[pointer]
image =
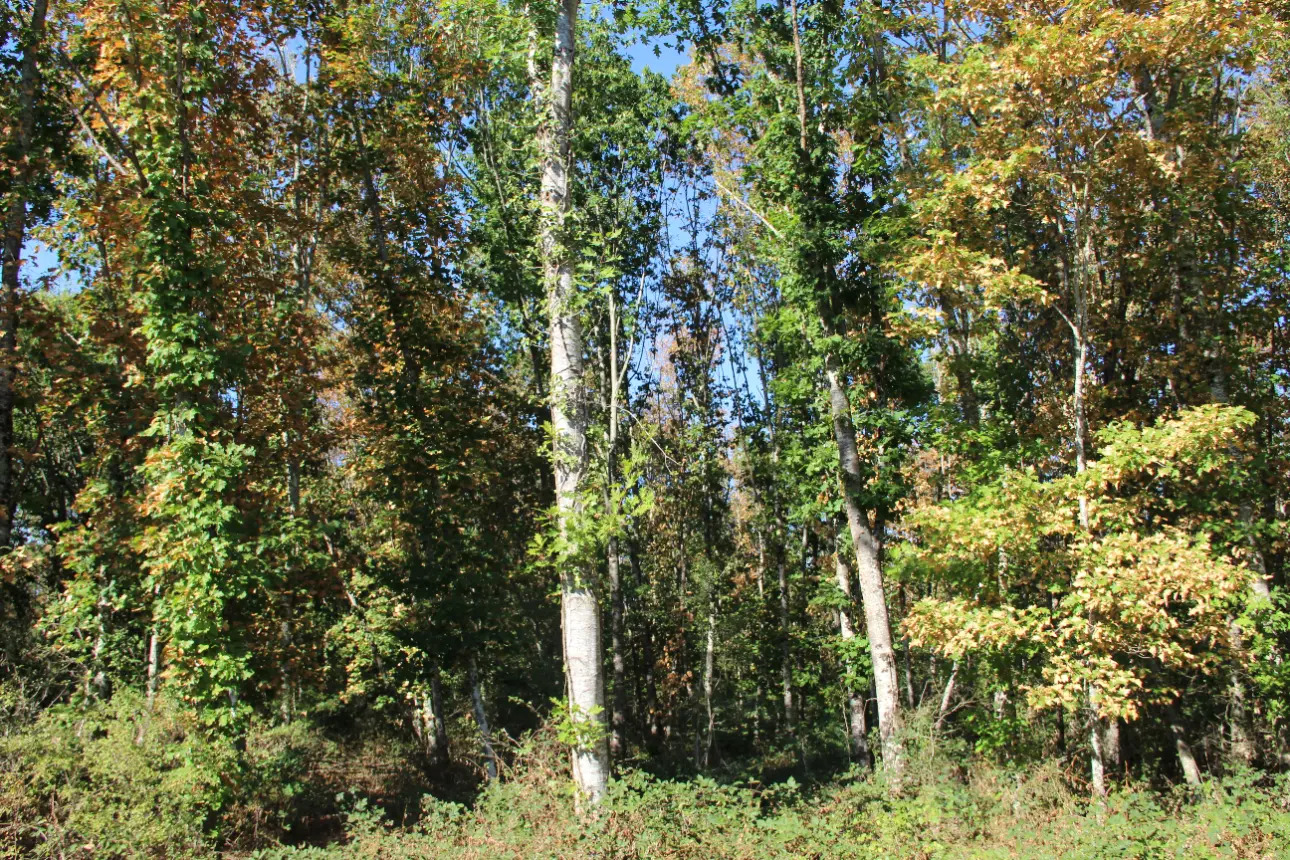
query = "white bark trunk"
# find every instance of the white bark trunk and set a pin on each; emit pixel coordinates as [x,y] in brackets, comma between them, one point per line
[709,667]
[1097,767]
[869,567]
[581,612]
[583,668]
[859,729]
[154,666]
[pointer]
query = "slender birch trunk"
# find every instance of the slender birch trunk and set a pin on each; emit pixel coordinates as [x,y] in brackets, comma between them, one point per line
[580,609]
[1104,743]
[154,666]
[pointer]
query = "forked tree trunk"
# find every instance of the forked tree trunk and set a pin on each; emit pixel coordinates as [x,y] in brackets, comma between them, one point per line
[580,609]
[856,704]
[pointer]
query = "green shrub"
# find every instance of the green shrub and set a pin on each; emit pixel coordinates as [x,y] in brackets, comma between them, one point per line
[117,779]
[111,780]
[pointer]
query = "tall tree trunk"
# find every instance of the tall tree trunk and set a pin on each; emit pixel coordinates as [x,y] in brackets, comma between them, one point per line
[869,566]
[15,232]
[649,700]
[859,729]
[785,647]
[618,718]
[580,609]
[709,667]
[867,550]
[1103,734]
[481,721]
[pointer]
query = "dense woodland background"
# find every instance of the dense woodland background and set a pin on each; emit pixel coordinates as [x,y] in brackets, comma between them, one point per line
[870,441]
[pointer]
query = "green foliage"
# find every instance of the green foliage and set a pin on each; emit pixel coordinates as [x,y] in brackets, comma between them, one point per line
[120,780]
[981,813]
[1147,589]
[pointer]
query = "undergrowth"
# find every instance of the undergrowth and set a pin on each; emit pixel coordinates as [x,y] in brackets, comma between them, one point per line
[111,782]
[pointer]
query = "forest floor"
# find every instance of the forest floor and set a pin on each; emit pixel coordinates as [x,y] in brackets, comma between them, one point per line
[101,785]
[945,809]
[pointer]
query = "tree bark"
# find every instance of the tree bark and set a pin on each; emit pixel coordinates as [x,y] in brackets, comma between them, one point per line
[947,696]
[785,648]
[434,727]
[481,721]
[859,729]
[618,719]
[869,567]
[580,608]
[15,231]
[1191,770]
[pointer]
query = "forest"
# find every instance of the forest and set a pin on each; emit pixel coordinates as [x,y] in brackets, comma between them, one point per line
[645,429]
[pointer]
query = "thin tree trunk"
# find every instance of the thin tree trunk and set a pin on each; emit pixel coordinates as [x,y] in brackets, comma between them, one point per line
[15,231]
[1097,765]
[859,729]
[481,720]
[649,702]
[905,656]
[868,564]
[709,667]
[785,648]
[1103,734]
[1241,722]
[154,666]
[618,719]
[947,696]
